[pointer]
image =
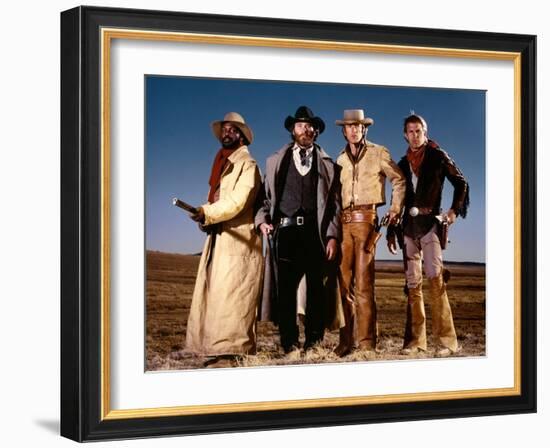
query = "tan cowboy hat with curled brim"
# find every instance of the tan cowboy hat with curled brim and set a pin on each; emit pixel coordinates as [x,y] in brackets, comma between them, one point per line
[236,120]
[352,116]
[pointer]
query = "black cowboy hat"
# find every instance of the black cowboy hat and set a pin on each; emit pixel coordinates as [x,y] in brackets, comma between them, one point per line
[304,114]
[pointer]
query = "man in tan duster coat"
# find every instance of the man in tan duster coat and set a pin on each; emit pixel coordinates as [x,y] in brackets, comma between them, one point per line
[222,318]
[364,169]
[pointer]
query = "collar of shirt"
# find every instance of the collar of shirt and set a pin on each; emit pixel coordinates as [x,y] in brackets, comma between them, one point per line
[362,146]
[302,169]
[297,148]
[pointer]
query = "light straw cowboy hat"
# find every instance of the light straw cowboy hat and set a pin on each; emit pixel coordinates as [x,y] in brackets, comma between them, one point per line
[236,120]
[352,116]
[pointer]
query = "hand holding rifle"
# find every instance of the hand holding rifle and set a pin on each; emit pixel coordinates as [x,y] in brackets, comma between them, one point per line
[196,214]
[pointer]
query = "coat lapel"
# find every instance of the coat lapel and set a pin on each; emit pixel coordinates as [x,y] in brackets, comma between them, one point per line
[236,157]
[326,176]
[272,173]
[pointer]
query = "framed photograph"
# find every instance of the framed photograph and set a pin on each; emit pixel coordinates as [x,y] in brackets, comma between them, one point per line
[147,100]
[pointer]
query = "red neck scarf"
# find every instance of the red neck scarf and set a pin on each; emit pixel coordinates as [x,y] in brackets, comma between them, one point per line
[217,170]
[415,158]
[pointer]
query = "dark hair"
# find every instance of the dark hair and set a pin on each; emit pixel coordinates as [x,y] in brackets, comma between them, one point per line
[414,118]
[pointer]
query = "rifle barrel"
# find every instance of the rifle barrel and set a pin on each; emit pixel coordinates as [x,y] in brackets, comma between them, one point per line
[184,205]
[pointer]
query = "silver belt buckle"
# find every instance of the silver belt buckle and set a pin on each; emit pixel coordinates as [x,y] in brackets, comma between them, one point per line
[299,220]
[414,211]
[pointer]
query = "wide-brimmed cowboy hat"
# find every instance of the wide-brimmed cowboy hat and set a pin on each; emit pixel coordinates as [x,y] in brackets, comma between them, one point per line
[236,120]
[304,114]
[352,116]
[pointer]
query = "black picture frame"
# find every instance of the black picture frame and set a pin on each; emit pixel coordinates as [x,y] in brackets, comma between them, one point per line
[82,398]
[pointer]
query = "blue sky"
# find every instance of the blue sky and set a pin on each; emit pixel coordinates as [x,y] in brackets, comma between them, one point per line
[180,146]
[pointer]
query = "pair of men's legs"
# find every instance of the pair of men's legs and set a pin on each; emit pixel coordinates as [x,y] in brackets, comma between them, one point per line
[357,283]
[427,247]
[299,252]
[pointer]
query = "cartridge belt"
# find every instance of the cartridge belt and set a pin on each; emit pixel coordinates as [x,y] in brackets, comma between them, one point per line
[365,215]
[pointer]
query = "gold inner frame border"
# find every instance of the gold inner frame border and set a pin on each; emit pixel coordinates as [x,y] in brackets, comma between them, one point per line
[107,35]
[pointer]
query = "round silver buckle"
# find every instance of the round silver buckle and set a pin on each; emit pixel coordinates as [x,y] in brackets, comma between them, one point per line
[413,211]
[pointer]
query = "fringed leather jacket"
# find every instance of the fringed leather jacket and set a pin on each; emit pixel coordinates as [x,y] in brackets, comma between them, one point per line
[426,195]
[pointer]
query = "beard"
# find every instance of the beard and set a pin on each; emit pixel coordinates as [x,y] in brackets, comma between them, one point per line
[230,143]
[304,140]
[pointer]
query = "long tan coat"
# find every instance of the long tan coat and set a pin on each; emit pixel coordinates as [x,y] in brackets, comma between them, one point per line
[225,300]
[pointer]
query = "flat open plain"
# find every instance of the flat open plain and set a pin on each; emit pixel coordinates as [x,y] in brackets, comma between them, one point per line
[170,282]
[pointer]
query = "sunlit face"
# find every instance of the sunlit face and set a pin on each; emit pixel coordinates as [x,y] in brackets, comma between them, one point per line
[354,132]
[230,136]
[415,135]
[304,134]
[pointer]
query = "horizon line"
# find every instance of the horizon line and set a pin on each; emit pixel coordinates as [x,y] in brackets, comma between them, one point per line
[198,254]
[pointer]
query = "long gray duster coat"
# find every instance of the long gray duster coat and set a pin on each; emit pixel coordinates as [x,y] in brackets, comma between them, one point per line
[223,312]
[328,225]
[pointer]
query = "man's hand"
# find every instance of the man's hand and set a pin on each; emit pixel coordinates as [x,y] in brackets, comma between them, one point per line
[393,217]
[266,229]
[392,245]
[199,216]
[332,248]
[451,216]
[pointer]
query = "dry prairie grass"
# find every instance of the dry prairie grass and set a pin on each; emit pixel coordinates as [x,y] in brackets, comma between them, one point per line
[170,282]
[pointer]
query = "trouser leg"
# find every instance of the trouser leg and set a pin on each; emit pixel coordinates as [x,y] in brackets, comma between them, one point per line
[288,277]
[315,307]
[415,327]
[312,260]
[365,308]
[442,317]
[347,339]
[443,329]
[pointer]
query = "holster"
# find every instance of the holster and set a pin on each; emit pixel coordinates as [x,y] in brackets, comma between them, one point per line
[443,233]
[373,239]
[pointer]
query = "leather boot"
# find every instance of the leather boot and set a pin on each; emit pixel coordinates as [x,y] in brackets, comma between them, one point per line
[415,329]
[347,340]
[443,328]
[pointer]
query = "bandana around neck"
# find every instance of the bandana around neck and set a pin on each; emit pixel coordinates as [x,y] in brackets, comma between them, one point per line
[217,169]
[415,158]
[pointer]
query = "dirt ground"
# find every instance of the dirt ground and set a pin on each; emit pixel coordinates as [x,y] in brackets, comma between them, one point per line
[170,282]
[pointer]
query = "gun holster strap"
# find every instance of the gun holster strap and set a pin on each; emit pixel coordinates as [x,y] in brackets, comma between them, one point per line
[359,216]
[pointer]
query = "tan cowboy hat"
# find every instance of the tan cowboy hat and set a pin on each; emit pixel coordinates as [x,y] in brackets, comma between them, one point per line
[355,116]
[236,120]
